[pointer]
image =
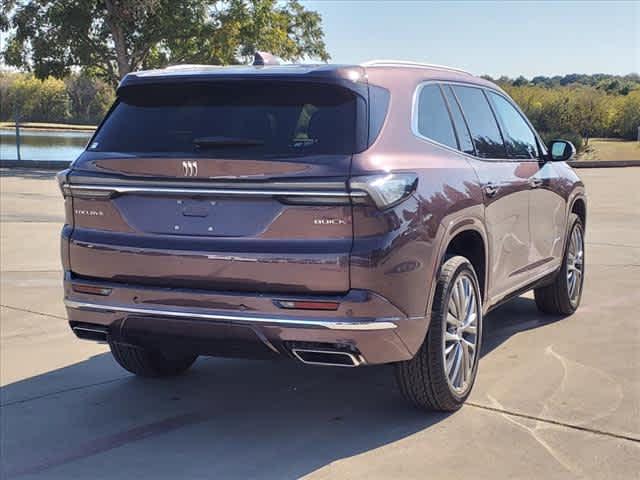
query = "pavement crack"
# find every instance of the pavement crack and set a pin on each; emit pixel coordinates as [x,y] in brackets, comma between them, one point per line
[550,421]
[32,311]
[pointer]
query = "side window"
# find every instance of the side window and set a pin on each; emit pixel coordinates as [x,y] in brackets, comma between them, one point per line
[518,137]
[433,117]
[464,137]
[484,129]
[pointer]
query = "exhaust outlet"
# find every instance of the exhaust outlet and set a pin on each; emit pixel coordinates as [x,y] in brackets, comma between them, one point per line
[95,333]
[329,358]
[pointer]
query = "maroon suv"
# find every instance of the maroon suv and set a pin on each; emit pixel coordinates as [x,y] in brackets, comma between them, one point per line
[334,214]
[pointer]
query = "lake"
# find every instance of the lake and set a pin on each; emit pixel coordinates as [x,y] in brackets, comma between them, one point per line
[42,144]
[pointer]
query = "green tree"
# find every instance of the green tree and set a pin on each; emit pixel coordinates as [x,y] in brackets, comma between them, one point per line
[36,100]
[627,117]
[110,38]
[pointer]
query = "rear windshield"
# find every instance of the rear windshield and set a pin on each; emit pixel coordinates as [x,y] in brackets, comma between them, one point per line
[232,119]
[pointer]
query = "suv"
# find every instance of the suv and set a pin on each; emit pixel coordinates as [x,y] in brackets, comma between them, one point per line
[333,214]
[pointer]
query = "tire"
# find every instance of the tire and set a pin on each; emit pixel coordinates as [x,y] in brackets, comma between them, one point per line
[425,380]
[150,363]
[559,298]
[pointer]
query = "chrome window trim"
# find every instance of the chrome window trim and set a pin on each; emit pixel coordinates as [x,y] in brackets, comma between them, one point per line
[381,324]
[485,89]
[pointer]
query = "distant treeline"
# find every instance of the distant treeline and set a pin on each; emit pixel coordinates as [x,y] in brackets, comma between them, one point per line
[76,99]
[574,106]
[579,106]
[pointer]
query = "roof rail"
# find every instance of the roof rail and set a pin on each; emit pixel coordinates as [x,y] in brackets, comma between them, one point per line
[405,63]
[187,66]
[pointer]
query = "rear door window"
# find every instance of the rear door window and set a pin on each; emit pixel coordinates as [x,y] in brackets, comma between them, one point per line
[239,118]
[518,136]
[434,121]
[464,137]
[482,123]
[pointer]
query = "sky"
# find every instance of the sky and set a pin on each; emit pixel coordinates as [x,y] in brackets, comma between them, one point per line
[487,37]
[544,37]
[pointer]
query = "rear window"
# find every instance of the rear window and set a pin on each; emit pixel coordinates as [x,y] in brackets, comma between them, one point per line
[239,118]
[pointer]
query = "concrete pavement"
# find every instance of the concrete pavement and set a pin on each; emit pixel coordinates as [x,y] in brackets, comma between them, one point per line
[555,398]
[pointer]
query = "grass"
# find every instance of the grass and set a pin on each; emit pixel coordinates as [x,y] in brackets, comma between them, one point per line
[49,126]
[605,149]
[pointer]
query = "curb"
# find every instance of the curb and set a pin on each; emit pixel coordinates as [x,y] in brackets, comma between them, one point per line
[35,164]
[604,164]
[61,165]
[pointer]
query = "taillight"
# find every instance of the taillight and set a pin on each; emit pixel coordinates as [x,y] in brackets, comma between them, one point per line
[386,190]
[61,177]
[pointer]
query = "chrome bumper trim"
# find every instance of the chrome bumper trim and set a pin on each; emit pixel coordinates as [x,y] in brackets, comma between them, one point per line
[384,324]
[106,191]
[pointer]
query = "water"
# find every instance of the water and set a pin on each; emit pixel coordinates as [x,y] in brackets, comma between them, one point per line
[42,145]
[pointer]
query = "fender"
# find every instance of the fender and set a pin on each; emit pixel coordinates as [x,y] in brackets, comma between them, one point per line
[448,232]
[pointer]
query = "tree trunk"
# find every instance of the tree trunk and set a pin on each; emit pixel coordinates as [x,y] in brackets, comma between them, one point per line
[122,57]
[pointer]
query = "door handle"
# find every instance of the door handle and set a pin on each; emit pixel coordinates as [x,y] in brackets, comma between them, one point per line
[535,182]
[491,189]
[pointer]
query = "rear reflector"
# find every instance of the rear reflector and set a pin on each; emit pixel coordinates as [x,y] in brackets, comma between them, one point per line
[91,289]
[306,305]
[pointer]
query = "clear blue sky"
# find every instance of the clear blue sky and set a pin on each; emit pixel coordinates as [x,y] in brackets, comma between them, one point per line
[487,37]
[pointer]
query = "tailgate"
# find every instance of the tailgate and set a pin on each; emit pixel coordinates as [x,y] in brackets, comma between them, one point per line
[226,187]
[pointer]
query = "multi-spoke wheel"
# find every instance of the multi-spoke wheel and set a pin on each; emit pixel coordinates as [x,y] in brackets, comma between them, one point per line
[575,265]
[563,295]
[442,373]
[461,334]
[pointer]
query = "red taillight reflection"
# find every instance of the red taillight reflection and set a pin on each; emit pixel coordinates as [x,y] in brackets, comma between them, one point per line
[91,289]
[307,305]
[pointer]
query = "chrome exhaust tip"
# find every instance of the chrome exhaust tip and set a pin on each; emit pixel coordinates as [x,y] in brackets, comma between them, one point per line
[95,333]
[327,358]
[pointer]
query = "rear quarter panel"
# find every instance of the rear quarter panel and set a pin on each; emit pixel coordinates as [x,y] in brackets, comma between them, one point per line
[397,253]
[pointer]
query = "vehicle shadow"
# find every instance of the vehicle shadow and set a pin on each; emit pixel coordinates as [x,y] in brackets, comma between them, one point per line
[224,419]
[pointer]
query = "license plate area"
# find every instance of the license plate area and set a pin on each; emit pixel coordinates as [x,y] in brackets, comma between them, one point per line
[195,336]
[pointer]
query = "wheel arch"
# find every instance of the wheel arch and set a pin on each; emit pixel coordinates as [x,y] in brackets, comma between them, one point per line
[471,244]
[469,239]
[579,207]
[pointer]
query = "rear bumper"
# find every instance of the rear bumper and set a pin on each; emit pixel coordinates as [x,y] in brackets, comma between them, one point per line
[242,324]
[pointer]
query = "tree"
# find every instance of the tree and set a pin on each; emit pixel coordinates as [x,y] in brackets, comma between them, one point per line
[627,117]
[35,100]
[110,38]
[90,98]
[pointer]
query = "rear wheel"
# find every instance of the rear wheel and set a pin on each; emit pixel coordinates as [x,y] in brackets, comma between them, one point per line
[442,373]
[563,296]
[150,363]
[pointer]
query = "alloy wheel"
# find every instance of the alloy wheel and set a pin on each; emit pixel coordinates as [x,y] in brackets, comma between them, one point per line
[575,264]
[461,334]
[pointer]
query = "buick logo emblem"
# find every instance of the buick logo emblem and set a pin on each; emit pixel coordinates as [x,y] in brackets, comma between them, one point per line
[190,168]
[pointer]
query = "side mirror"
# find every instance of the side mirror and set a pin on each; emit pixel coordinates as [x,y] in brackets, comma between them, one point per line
[561,150]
